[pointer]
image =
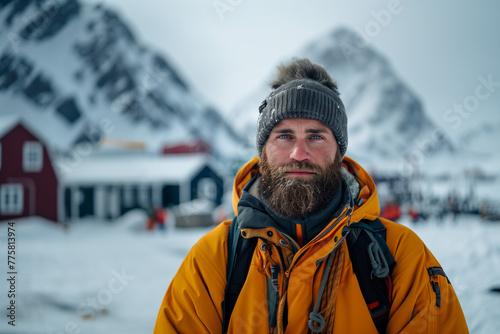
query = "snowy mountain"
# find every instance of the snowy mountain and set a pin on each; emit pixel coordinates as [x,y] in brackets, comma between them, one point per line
[386,119]
[77,73]
[481,137]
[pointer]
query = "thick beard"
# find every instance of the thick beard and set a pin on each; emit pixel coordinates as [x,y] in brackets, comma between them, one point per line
[295,197]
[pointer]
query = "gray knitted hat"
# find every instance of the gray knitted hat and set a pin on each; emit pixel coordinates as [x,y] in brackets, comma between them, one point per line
[304,98]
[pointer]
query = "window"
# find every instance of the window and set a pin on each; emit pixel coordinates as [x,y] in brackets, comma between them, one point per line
[128,197]
[32,156]
[11,199]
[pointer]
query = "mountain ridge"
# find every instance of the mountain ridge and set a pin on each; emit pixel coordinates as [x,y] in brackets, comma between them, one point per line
[385,118]
[79,66]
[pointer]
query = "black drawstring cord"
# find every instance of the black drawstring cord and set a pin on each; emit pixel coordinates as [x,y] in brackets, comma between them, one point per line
[316,320]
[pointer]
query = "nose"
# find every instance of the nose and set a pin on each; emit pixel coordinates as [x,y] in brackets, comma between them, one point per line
[299,151]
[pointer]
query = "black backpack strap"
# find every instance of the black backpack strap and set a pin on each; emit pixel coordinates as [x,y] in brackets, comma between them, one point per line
[373,264]
[239,256]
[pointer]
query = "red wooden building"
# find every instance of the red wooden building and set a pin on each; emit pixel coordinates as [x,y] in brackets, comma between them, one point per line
[28,182]
[196,146]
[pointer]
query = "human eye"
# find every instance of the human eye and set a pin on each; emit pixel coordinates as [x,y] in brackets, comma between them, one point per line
[283,136]
[316,137]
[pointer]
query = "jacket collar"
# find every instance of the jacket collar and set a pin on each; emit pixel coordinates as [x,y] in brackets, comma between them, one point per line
[253,213]
[251,201]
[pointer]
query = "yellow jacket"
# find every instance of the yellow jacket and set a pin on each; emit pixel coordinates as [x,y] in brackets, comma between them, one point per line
[192,303]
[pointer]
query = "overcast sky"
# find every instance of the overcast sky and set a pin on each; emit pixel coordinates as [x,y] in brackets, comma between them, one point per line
[439,48]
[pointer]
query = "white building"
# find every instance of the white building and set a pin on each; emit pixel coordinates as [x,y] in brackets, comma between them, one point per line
[107,186]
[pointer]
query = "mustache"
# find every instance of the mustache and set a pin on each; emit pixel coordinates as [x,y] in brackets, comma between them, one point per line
[302,165]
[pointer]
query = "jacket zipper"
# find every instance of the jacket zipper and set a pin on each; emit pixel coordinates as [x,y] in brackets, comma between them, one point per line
[302,251]
[346,211]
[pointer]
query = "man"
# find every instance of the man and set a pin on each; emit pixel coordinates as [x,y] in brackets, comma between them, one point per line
[297,200]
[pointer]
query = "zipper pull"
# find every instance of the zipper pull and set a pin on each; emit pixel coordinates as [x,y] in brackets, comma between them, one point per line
[435,287]
[275,270]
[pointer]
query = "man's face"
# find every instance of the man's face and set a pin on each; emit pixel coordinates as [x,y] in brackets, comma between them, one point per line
[301,139]
[300,167]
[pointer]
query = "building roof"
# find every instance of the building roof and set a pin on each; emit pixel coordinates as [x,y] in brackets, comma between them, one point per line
[132,169]
[8,122]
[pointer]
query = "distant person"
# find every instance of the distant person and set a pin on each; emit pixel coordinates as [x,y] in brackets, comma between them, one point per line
[156,216]
[391,210]
[161,218]
[307,251]
[413,214]
[151,218]
[453,206]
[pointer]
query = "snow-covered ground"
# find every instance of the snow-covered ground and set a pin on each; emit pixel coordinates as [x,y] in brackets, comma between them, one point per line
[98,277]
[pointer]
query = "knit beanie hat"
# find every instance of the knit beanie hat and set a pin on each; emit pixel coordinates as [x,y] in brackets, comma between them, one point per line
[303,98]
